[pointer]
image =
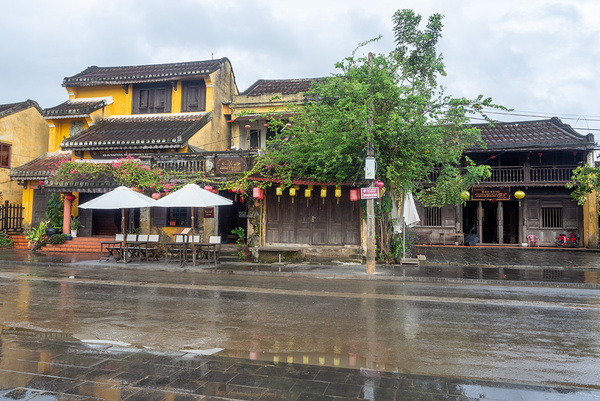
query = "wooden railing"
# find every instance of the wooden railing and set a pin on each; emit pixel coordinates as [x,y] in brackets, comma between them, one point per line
[180,163]
[524,175]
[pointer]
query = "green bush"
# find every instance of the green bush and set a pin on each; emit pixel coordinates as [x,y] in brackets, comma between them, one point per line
[5,241]
[56,239]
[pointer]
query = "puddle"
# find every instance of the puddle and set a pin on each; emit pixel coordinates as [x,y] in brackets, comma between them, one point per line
[551,275]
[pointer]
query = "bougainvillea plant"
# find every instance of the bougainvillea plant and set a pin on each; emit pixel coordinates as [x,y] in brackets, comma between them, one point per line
[127,171]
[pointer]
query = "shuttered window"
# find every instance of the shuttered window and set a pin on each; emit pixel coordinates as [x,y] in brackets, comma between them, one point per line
[155,98]
[5,155]
[193,96]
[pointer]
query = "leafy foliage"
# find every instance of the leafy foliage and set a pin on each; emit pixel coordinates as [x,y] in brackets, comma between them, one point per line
[5,241]
[37,234]
[55,211]
[127,171]
[585,180]
[56,239]
[392,102]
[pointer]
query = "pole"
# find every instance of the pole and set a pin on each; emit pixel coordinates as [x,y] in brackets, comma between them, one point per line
[370,202]
[403,227]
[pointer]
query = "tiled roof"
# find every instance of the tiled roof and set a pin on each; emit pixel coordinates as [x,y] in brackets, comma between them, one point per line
[540,134]
[101,184]
[11,108]
[141,131]
[77,107]
[283,86]
[143,73]
[39,168]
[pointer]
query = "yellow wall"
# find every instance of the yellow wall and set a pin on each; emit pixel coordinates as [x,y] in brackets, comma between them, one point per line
[27,133]
[121,101]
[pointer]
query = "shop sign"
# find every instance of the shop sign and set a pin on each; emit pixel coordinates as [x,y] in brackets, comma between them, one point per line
[490,194]
[369,193]
[230,165]
[209,212]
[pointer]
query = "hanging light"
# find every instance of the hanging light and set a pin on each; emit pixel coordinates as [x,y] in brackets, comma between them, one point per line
[323,193]
[248,126]
[208,188]
[279,193]
[257,193]
[293,192]
[465,195]
[354,195]
[519,195]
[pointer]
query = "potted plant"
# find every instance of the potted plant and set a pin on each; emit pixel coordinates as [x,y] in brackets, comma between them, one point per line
[54,214]
[242,244]
[36,235]
[75,226]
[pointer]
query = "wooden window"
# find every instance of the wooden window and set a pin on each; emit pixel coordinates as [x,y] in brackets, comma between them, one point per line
[152,98]
[193,96]
[75,128]
[552,217]
[254,139]
[5,155]
[433,216]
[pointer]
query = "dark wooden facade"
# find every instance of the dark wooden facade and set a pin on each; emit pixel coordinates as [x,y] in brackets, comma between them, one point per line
[312,221]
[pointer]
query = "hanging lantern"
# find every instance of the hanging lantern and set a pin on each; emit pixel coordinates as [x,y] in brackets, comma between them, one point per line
[338,193]
[279,193]
[70,197]
[465,195]
[208,188]
[354,195]
[247,126]
[323,193]
[156,196]
[293,192]
[215,191]
[519,195]
[257,193]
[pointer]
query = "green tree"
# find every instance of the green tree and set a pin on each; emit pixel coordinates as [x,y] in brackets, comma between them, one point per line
[415,126]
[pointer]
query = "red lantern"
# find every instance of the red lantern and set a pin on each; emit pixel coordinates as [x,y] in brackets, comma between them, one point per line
[354,195]
[208,188]
[257,193]
[215,191]
[156,196]
[70,197]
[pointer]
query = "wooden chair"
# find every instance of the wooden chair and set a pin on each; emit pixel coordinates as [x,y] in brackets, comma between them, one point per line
[174,250]
[213,253]
[150,250]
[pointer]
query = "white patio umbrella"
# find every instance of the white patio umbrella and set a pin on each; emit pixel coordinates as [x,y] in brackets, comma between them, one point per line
[409,217]
[119,198]
[192,196]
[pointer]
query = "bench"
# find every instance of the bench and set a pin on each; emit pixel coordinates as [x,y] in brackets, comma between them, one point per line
[454,237]
[278,254]
[424,237]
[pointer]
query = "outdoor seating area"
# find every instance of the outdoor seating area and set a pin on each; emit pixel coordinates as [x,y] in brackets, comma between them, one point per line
[185,249]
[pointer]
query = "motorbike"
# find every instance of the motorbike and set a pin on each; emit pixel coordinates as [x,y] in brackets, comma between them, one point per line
[563,240]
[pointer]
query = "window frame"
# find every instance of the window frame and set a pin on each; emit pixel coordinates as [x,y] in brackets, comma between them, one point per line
[188,88]
[148,98]
[5,148]
[428,216]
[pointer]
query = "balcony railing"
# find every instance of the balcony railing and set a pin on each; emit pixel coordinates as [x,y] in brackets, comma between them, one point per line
[525,175]
[204,162]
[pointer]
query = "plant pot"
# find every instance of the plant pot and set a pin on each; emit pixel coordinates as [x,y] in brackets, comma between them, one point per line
[74,233]
[51,231]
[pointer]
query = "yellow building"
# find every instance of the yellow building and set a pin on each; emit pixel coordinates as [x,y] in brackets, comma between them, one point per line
[140,111]
[23,137]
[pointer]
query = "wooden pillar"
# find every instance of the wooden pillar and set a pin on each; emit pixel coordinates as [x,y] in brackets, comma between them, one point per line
[590,221]
[480,221]
[500,222]
[69,197]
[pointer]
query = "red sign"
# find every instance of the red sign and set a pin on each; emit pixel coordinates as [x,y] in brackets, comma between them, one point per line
[369,193]
[209,212]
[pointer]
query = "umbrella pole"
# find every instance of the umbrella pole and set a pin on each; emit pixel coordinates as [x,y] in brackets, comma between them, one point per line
[193,243]
[403,228]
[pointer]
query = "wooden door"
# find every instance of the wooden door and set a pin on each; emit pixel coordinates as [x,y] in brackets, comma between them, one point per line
[40,203]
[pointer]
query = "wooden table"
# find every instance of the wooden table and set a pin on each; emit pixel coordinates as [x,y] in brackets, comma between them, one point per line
[454,237]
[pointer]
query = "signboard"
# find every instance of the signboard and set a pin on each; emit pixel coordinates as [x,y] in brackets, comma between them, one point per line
[230,165]
[490,194]
[209,212]
[369,193]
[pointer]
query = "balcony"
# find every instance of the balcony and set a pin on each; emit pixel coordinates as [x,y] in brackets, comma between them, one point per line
[212,163]
[520,175]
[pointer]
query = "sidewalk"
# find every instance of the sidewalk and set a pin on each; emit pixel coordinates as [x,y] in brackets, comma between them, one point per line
[46,366]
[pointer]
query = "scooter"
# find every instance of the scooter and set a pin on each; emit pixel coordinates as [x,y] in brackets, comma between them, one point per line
[563,240]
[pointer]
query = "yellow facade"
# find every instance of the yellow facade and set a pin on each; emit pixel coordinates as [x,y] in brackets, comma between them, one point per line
[27,134]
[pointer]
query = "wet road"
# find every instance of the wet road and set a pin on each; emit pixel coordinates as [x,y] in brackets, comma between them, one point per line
[541,335]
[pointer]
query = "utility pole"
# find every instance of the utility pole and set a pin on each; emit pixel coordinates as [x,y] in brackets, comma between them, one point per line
[370,202]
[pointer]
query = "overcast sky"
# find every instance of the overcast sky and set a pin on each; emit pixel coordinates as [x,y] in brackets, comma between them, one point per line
[533,56]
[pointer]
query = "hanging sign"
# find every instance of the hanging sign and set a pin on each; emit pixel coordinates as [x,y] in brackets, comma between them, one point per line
[229,165]
[369,193]
[209,212]
[490,194]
